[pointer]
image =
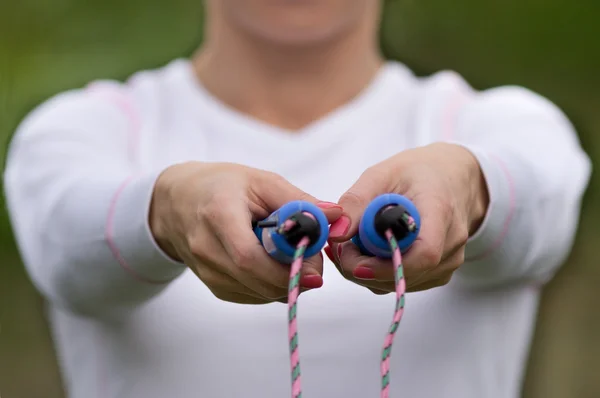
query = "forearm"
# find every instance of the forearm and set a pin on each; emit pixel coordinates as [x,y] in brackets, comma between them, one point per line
[88,247]
[79,215]
[535,176]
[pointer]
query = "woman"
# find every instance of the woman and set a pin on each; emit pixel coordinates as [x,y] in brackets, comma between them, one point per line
[132,205]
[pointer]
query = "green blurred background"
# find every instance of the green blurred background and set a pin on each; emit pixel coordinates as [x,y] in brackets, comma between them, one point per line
[551,46]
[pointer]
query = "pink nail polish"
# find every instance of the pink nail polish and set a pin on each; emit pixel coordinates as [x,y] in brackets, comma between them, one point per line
[340,227]
[328,205]
[311,281]
[364,273]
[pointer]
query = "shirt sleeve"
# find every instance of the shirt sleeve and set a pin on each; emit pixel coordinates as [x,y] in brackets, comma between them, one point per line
[79,206]
[536,173]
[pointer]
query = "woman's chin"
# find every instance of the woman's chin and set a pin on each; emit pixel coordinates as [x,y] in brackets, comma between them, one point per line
[296,22]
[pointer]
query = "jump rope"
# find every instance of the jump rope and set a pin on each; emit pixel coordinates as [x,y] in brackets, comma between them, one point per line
[298,230]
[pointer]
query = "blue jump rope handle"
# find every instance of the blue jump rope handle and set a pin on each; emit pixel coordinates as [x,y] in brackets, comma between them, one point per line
[373,244]
[277,246]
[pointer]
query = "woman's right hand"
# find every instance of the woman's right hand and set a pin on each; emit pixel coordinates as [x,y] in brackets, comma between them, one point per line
[202,213]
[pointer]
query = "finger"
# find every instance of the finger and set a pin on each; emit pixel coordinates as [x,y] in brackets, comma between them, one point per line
[312,272]
[456,240]
[370,184]
[271,191]
[225,287]
[257,270]
[441,275]
[248,262]
[212,254]
[238,298]
[453,243]
[388,287]
[205,259]
[366,268]
[452,261]
[329,251]
[417,279]
[284,300]
[428,249]
[375,286]
[362,267]
[379,292]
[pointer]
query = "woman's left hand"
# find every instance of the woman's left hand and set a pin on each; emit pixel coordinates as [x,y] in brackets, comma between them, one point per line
[446,185]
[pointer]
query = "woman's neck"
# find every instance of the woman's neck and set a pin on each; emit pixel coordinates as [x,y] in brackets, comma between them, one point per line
[288,87]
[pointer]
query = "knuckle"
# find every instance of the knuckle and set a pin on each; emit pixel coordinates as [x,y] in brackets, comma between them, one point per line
[353,199]
[431,256]
[216,199]
[243,257]
[376,175]
[212,209]
[446,208]
[458,260]
[195,246]
[271,178]
[462,236]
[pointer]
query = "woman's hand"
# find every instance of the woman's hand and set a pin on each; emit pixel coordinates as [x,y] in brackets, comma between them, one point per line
[446,185]
[202,214]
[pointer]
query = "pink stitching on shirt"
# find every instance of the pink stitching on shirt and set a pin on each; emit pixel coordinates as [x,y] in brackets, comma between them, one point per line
[127,106]
[111,241]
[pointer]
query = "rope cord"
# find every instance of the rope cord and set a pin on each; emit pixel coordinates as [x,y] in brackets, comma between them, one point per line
[294,291]
[400,287]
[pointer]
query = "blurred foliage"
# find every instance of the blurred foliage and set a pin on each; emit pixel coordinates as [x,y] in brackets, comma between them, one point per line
[549,46]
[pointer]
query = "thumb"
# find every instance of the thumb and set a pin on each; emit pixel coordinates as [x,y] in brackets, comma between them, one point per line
[273,191]
[354,201]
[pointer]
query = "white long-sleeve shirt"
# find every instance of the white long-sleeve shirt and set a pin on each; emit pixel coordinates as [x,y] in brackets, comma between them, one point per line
[129,322]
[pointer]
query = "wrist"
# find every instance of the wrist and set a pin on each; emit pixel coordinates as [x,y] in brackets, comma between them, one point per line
[158,216]
[479,195]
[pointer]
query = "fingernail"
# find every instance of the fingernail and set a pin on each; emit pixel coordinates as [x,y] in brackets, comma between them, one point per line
[340,227]
[363,273]
[339,251]
[327,250]
[328,205]
[311,281]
